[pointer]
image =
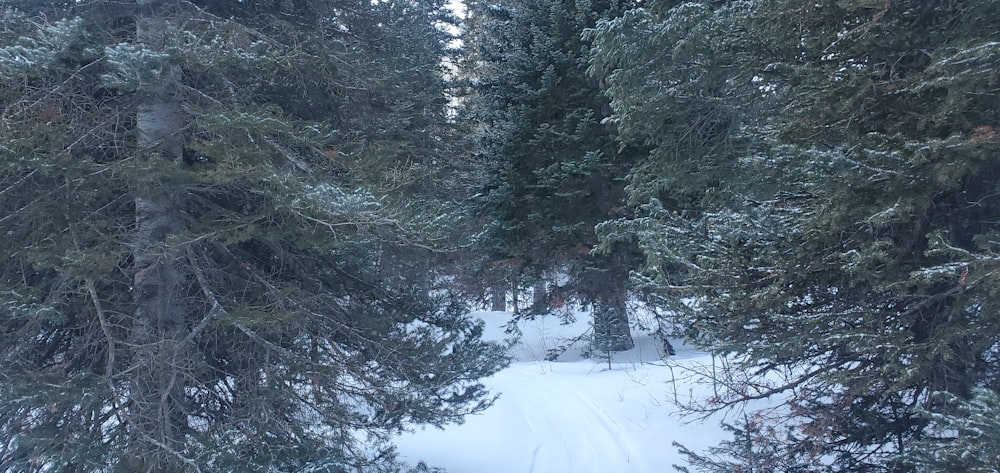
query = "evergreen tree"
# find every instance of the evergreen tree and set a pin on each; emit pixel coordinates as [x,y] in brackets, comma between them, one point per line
[192,278]
[756,447]
[867,271]
[964,437]
[555,170]
[675,85]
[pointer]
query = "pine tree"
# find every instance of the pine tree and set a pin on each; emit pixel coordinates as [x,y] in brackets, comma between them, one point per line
[191,281]
[756,447]
[555,170]
[965,436]
[866,271]
[709,200]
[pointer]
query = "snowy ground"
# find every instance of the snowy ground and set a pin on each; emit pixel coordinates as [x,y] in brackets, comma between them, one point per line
[573,415]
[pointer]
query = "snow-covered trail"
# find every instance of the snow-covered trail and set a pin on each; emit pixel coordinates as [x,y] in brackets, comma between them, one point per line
[590,440]
[541,424]
[573,416]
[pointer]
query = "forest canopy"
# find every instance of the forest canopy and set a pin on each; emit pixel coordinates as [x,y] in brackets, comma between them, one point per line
[245,235]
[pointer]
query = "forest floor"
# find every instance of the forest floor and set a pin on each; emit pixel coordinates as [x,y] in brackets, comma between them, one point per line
[575,414]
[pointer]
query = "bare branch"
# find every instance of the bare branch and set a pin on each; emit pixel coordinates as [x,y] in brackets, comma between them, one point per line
[207,291]
[109,369]
[179,455]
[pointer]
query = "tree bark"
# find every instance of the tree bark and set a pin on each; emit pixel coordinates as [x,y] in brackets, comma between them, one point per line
[498,296]
[611,321]
[515,284]
[157,392]
[539,299]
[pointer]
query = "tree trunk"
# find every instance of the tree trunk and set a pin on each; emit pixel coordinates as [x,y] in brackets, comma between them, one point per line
[498,296]
[612,331]
[515,284]
[156,391]
[539,299]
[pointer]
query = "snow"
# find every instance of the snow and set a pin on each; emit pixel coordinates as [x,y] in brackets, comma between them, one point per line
[574,415]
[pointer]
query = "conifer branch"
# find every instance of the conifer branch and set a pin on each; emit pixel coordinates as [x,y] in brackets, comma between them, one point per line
[116,401]
[92,290]
[19,181]
[206,289]
[187,461]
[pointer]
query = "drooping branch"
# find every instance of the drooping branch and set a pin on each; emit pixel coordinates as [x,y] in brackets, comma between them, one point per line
[105,327]
[206,289]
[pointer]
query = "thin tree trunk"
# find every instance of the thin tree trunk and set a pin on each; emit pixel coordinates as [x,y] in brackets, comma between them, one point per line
[611,319]
[539,300]
[515,283]
[498,296]
[157,388]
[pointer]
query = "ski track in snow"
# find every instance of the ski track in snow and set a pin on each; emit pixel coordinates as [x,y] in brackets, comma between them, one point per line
[570,416]
[591,441]
[542,423]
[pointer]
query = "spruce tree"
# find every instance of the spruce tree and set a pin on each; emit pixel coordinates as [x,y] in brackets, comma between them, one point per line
[677,93]
[192,281]
[756,447]
[965,436]
[866,272]
[555,170]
